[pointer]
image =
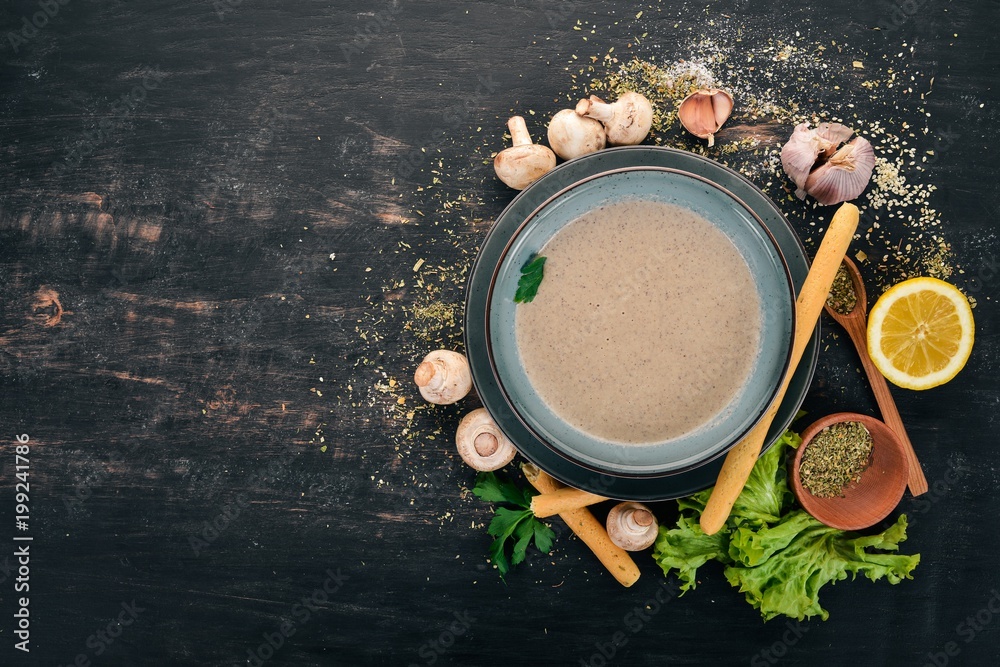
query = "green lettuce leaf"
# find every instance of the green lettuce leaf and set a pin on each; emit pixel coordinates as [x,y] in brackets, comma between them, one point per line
[766,495]
[686,548]
[777,555]
[752,547]
[789,580]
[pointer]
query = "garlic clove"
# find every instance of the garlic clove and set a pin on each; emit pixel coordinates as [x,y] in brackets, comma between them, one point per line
[845,175]
[703,112]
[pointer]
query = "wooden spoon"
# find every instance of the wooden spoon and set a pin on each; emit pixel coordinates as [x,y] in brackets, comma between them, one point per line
[856,325]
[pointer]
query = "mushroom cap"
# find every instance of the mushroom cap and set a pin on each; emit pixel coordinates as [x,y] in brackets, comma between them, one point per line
[520,166]
[443,377]
[481,443]
[571,134]
[632,526]
[631,117]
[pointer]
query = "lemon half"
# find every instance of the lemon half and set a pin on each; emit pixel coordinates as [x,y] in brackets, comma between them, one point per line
[920,333]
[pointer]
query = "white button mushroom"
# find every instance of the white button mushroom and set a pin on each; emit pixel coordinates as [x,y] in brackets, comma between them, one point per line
[571,134]
[524,163]
[481,443]
[632,526]
[443,377]
[627,120]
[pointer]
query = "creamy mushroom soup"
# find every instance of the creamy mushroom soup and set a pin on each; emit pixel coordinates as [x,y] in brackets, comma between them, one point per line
[646,323]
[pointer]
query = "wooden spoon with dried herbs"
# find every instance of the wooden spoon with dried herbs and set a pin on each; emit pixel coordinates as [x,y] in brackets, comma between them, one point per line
[848,305]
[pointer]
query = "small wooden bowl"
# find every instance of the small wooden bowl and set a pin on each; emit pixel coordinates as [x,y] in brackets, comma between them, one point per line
[875,495]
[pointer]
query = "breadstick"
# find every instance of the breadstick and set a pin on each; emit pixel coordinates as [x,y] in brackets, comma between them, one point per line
[565,499]
[741,458]
[589,530]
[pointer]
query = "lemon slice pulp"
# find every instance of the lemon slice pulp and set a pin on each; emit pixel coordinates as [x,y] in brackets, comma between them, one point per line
[920,333]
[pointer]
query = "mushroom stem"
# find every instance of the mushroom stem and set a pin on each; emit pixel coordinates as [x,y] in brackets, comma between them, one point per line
[595,108]
[638,519]
[481,443]
[486,444]
[518,131]
[425,373]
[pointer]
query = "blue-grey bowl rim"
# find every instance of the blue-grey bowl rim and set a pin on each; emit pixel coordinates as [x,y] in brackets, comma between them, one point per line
[735,439]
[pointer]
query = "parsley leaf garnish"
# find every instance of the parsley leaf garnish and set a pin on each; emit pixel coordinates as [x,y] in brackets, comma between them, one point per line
[531,277]
[518,524]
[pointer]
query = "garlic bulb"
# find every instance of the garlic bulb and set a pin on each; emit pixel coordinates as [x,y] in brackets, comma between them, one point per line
[704,111]
[819,166]
[845,175]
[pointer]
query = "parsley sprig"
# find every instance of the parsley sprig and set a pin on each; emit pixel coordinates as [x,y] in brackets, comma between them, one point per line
[518,524]
[531,277]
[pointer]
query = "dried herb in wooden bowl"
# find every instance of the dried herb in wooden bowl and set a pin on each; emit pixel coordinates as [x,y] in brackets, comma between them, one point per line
[836,457]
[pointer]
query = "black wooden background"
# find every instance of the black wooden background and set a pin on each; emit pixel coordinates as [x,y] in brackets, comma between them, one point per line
[210,211]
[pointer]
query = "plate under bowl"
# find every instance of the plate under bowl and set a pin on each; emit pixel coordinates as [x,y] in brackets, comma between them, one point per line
[772,282]
[644,488]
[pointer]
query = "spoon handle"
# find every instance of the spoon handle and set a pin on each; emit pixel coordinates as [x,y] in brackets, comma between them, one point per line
[857,330]
[741,458]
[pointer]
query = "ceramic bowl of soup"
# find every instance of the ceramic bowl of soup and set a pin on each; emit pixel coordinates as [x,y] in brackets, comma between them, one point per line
[661,328]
